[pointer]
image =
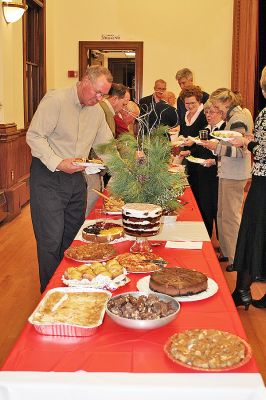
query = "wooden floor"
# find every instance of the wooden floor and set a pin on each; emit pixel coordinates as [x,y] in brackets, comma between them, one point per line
[19,290]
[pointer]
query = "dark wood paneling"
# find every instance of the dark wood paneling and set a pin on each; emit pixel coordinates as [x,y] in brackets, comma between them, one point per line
[15,159]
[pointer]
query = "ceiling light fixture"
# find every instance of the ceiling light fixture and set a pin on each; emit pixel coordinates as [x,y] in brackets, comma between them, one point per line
[130,53]
[13,11]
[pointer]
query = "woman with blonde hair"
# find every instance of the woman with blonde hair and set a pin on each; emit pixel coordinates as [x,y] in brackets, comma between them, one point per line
[233,171]
[250,257]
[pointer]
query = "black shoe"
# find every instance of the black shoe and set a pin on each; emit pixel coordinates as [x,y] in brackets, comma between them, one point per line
[261,303]
[260,279]
[222,258]
[230,268]
[242,297]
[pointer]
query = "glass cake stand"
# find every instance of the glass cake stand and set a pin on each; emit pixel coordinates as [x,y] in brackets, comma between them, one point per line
[141,245]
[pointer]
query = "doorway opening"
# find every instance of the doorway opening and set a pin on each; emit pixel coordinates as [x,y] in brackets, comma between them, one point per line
[123,59]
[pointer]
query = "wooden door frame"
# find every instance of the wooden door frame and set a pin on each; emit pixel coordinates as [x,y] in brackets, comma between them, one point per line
[84,46]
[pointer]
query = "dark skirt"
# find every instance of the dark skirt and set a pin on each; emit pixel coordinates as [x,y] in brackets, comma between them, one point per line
[251,243]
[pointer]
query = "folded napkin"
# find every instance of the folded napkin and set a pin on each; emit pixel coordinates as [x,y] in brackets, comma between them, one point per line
[184,245]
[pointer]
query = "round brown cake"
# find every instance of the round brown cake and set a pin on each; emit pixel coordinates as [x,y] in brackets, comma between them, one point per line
[102,232]
[178,281]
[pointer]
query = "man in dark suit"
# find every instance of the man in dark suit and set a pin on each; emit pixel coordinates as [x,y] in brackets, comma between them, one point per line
[162,114]
[146,104]
[184,78]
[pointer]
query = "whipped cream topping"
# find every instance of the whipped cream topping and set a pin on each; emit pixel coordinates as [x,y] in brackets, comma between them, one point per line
[142,210]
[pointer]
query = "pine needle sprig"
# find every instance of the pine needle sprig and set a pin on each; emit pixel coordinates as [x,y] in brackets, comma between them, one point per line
[140,170]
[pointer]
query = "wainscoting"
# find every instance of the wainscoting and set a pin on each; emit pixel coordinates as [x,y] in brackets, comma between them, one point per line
[15,159]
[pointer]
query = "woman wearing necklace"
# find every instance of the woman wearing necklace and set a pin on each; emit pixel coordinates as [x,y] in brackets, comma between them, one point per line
[194,121]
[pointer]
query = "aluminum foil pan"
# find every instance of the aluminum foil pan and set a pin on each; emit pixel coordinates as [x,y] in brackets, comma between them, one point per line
[64,329]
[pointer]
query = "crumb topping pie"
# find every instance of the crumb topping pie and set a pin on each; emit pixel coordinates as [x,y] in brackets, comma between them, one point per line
[206,348]
[91,251]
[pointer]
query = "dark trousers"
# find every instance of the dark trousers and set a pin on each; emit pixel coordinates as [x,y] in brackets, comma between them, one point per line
[207,202]
[58,202]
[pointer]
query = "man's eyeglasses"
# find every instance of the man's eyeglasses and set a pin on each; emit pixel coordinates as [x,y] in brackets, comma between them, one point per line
[98,93]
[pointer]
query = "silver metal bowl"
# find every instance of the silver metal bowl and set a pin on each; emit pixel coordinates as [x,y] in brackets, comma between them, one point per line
[144,323]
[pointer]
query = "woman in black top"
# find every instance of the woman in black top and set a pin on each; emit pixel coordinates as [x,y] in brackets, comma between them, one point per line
[250,256]
[194,121]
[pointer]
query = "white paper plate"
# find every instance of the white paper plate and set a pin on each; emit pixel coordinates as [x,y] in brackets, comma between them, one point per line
[226,138]
[114,212]
[88,164]
[143,286]
[195,139]
[196,160]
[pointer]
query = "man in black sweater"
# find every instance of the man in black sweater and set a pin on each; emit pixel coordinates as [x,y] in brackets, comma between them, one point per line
[147,103]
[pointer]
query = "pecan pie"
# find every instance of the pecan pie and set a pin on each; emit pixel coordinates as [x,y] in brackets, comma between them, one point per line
[91,251]
[206,348]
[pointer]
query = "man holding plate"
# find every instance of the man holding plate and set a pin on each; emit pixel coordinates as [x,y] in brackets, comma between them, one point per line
[67,123]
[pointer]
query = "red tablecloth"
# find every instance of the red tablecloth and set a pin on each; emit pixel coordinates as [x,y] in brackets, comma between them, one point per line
[117,349]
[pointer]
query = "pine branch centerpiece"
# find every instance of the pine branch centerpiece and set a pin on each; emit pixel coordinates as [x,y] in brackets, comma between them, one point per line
[140,170]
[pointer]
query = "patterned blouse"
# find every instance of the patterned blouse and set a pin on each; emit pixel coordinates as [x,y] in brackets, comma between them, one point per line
[259,149]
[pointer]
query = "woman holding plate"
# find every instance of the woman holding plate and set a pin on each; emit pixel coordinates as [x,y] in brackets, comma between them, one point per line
[207,171]
[250,257]
[193,122]
[234,167]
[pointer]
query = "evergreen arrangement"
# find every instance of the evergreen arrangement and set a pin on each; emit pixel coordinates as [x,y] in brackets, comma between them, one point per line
[140,170]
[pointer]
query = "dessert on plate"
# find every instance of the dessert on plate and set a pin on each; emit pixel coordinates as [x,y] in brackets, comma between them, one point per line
[113,204]
[141,219]
[178,281]
[111,268]
[210,349]
[140,262]
[91,251]
[77,308]
[102,232]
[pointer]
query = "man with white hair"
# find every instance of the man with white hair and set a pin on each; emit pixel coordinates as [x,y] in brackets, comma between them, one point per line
[67,124]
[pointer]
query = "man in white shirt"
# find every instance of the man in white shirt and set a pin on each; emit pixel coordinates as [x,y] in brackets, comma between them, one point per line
[67,123]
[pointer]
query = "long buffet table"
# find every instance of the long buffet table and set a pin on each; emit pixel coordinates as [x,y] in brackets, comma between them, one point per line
[118,362]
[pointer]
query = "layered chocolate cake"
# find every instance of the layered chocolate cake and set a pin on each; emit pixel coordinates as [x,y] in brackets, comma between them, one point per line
[141,219]
[178,281]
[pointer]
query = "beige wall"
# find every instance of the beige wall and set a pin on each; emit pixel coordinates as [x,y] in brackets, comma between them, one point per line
[11,72]
[176,34]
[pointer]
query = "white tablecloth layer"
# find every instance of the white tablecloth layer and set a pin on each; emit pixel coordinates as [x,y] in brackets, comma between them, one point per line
[183,231]
[117,386]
